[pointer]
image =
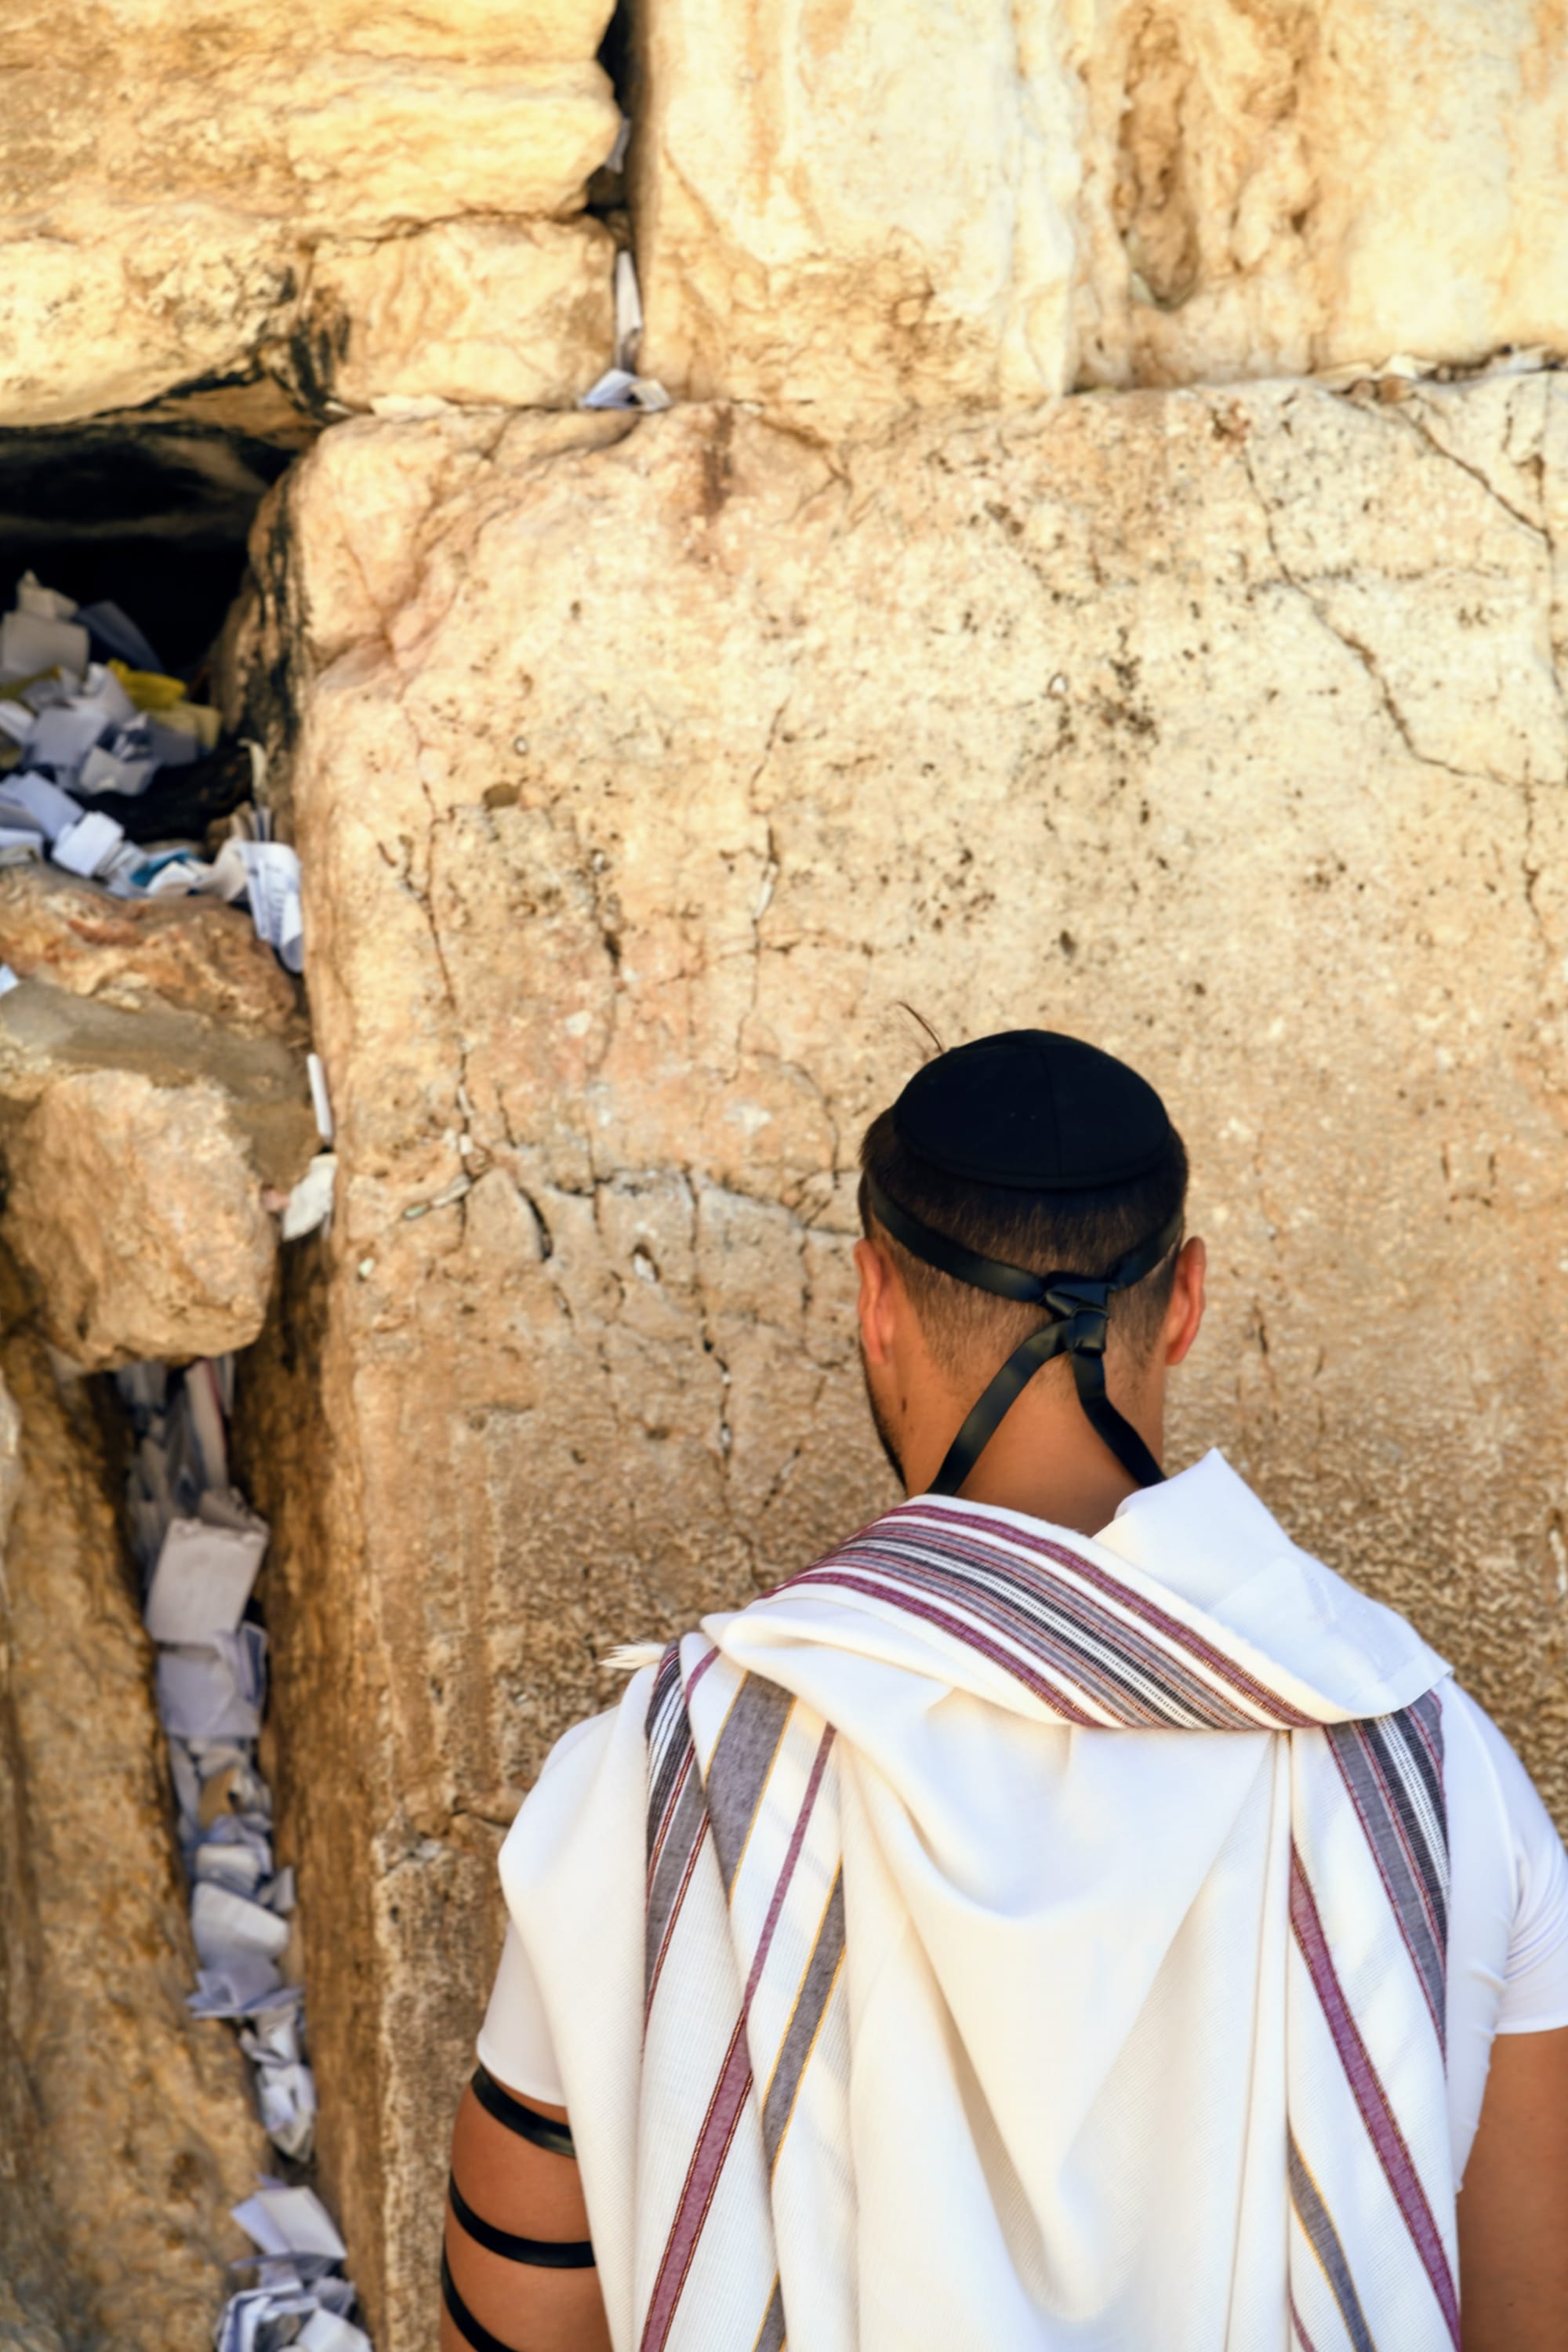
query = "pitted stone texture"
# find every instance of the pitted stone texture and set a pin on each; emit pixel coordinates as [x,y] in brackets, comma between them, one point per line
[514,314]
[851,209]
[128,2129]
[170,168]
[644,768]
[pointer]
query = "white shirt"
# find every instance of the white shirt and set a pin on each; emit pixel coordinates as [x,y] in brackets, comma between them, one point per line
[1508,1939]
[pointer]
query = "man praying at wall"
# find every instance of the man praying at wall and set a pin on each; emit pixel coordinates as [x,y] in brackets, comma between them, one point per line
[1068,1917]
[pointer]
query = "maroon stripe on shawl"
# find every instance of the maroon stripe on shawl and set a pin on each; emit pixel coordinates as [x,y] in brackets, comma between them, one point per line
[797,1839]
[670,1741]
[1031,1680]
[698,1671]
[1173,1631]
[1302,2338]
[1060,1645]
[725,2108]
[1383,2129]
[1137,1650]
[668,1736]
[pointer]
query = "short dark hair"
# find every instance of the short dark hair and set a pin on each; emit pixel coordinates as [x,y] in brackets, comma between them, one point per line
[1047,1232]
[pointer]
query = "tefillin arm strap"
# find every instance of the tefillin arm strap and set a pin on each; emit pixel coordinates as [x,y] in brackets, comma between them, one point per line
[539,2254]
[1079,1306]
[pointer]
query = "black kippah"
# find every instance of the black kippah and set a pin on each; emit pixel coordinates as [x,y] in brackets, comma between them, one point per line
[1034,1112]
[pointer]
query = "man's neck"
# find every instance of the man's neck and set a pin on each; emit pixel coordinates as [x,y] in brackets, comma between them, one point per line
[1048,1465]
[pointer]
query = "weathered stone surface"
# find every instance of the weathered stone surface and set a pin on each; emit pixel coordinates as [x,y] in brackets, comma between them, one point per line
[843,208]
[125,2126]
[137,1209]
[1271,191]
[855,206]
[48,1035]
[644,767]
[187,955]
[514,314]
[168,169]
[850,207]
[138,1145]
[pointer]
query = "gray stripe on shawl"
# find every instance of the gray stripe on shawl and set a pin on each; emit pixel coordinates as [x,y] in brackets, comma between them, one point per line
[771,2333]
[668,1739]
[1390,1777]
[670,1873]
[811,2003]
[1324,2239]
[741,1762]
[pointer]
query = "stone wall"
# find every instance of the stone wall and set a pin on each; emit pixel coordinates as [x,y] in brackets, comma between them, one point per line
[193,187]
[644,768]
[641,769]
[843,206]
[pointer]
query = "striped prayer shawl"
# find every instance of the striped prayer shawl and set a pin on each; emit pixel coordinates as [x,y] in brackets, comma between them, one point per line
[746,2193]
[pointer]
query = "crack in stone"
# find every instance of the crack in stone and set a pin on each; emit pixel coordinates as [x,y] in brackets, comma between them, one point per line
[1412,421]
[1531,865]
[1354,645]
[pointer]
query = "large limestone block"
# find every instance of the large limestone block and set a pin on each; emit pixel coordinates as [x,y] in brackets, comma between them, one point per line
[137,1209]
[140,1147]
[644,768]
[857,208]
[857,205]
[515,314]
[1271,191]
[168,169]
[126,2129]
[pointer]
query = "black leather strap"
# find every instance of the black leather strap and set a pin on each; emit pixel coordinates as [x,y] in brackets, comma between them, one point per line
[540,2131]
[463,2319]
[539,2254]
[1111,1427]
[948,1256]
[1080,1326]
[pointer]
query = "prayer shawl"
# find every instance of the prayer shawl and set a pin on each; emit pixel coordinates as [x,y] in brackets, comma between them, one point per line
[974,2008]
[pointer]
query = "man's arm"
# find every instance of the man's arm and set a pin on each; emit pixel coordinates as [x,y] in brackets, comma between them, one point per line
[515,2188]
[1513,2209]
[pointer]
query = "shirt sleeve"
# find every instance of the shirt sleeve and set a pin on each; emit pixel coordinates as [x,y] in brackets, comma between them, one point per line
[1535,1979]
[1535,1993]
[514,2040]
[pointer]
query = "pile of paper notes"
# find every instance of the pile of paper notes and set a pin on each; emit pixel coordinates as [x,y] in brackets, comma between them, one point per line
[300,2297]
[86,709]
[199,1547]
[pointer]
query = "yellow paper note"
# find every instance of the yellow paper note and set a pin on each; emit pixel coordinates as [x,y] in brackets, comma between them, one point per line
[147,688]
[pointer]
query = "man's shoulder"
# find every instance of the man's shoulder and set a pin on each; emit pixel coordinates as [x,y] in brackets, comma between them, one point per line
[1482,1768]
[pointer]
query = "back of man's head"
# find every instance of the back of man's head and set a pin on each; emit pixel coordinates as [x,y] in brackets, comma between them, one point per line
[1068,1230]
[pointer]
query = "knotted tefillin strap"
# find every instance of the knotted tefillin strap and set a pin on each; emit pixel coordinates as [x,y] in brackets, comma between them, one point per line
[1080,1308]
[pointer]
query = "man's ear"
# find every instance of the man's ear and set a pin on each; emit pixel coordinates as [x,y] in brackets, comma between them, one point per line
[876,1306]
[1184,1314]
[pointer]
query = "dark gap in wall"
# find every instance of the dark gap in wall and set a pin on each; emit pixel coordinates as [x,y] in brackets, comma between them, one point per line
[617,55]
[149,508]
